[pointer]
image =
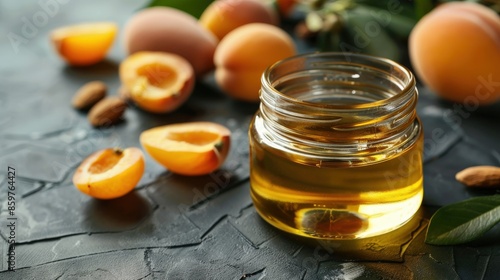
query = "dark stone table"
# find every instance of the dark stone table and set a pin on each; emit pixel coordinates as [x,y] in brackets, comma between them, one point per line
[175,227]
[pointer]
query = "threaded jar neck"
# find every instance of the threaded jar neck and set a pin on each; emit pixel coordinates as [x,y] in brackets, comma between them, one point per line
[344,103]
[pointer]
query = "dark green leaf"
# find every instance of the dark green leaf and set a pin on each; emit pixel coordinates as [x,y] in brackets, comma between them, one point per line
[401,27]
[192,7]
[328,41]
[368,35]
[463,221]
[422,7]
[395,8]
[396,24]
[324,42]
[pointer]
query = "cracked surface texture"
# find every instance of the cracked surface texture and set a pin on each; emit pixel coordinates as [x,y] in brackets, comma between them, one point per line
[175,227]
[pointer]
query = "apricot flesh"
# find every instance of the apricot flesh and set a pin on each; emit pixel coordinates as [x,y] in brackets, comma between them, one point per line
[244,54]
[110,173]
[195,148]
[455,51]
[157,82]
[223,16]
[84,44]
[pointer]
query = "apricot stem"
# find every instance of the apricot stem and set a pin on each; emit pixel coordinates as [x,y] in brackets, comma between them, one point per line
[219,146]
[118,151]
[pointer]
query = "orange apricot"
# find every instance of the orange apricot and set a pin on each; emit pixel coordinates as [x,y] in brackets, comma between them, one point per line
[223,16]
[165,29]
[110,173]
[84,44]
[244,54]
[157,82]
[455,51]
[195,148]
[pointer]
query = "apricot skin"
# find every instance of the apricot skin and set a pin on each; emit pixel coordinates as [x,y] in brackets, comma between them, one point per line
[244,54]
[223,16]
[164,29]
[455,51]
[199,164]
[157,82]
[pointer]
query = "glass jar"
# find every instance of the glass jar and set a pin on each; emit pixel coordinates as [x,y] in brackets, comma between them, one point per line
[336,146]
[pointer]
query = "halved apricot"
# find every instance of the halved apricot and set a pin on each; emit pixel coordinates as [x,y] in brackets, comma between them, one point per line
[195,148]
[158,82]
[110,173]
[84,44]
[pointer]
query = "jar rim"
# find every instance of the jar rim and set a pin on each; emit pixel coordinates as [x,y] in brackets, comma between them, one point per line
[409,84]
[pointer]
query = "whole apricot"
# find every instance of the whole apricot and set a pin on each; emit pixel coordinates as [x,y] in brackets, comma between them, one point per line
[85,43]
[223,16]
[163,29]
[157,82]
[244,54]
[455,51]
[195,148]
[110,173]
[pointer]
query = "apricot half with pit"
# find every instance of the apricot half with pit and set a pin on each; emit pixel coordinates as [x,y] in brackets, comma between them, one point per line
[110,173]
[195,148]
[84,44]
[157,82]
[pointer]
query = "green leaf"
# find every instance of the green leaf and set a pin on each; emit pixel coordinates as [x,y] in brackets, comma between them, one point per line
[422,7]
[328,41]
[366,34]
[192,7]
[395,8]
[397,25]
[401,27]
[463,221]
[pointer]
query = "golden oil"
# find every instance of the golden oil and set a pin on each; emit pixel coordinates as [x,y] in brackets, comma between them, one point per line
[336,147]
[300,198]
